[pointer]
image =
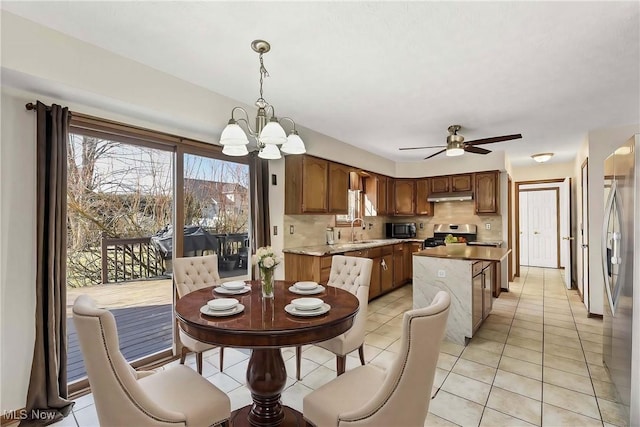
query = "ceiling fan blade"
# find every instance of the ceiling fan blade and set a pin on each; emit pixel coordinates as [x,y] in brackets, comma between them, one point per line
[476,150]
[420,148]
[433,155]
[494,139]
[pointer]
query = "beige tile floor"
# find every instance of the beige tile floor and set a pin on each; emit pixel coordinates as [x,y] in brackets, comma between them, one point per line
[535,361]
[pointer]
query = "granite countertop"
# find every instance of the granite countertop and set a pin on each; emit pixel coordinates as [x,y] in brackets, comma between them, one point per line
[470,253]
[339,248]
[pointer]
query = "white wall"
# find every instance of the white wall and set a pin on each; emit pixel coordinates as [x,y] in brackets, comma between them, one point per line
[17,250]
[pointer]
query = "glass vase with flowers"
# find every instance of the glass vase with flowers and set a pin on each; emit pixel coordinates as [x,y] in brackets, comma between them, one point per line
[266,260]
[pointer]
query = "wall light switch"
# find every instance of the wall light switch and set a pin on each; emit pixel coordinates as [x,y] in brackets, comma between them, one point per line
[442,273]
[421,225]
[487,226]
[291,229]
[275,230]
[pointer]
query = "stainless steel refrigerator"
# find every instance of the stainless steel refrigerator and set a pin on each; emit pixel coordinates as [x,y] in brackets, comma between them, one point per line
[621,225]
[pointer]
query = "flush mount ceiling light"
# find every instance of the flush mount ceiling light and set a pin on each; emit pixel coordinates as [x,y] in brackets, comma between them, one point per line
[268,132]
[542,157]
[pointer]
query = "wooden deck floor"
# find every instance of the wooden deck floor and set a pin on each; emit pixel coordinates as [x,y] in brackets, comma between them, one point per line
[144,317]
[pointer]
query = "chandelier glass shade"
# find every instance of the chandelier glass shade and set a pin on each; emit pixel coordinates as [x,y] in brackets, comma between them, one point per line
[268,132]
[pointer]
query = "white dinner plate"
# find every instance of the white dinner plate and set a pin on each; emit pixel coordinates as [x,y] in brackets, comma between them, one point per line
[225,291]
[239,308]
[222,304]
[307,303]
[234,286]
[291,309]
[305,286]
[318,290]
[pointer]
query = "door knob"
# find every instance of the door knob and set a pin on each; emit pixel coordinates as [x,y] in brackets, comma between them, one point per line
[568,238]
[585,246]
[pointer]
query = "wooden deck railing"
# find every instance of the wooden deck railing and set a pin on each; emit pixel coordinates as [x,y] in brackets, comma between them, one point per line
[136,258]
[129,259]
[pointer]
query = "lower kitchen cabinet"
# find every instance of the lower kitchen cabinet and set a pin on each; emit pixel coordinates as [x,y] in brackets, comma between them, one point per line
[409,249]
[299,267]
[481,292]
[398,265]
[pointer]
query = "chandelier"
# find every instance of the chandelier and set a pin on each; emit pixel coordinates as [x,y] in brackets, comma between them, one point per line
[268,132]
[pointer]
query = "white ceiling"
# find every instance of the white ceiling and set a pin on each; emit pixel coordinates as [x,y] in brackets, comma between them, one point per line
[384,75]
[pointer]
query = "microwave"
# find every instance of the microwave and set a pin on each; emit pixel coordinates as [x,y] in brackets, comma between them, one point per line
[400,230]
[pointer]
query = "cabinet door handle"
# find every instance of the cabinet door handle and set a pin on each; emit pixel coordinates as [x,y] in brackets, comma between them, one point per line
[384,265]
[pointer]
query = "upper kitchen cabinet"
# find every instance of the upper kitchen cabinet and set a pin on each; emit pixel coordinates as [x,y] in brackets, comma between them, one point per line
[376,195]
[391,192]
[306,185]
[486,192]
[423,207]
[404,197]
[338,188]
[451,183]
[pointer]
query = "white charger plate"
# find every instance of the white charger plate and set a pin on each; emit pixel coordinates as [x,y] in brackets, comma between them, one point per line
[225,291]
[291,309]
[303,304]
[234,286]
[239,308]
[318,290]
[305,286]
[222,304]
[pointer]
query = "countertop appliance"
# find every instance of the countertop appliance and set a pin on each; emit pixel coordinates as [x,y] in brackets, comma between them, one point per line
[621,346]
[440,231]
[400,230]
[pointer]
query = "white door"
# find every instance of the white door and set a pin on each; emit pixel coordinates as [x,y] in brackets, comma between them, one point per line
[539,228]
[584,237]
[565,230]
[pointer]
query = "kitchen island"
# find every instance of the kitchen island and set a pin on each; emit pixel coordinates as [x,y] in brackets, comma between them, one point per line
[468,275]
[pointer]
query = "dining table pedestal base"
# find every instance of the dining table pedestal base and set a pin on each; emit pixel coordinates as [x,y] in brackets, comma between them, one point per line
[292,418]
[266,378]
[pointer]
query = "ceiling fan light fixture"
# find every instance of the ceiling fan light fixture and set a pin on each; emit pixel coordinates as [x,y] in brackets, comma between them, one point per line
[542,157]
[455,145]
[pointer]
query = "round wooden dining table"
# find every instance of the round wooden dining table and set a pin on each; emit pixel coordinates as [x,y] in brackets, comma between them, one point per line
[265,327]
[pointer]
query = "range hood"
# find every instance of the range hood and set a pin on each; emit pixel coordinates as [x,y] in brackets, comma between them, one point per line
[459,196]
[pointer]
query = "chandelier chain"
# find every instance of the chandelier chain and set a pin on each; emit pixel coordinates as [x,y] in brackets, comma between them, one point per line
[263,73]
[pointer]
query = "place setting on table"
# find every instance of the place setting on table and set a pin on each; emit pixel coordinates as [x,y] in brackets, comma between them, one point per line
[222,306]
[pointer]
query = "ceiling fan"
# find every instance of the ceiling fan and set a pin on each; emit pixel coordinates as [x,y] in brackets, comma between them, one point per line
[456,145]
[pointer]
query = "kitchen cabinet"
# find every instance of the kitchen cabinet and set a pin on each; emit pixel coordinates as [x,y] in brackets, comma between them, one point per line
[486,192]
[300,267]
[315,185]
[452,183]
[398,265]
[391,192]
[423,207]
[338,195]
[404,197]
[376,193]
[409,249]
[481,293]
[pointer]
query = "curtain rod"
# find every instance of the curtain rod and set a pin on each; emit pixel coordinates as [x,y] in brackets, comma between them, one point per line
[32,107]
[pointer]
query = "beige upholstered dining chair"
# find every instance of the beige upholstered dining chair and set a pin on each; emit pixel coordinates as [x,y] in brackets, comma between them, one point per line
[398,396]
[124,397]
[352,274]
[191,274]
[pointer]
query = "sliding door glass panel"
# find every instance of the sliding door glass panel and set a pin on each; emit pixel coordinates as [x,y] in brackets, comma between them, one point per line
[119,202]
[216,212]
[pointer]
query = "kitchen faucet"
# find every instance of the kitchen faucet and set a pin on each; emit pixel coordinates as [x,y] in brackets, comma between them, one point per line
[353,235]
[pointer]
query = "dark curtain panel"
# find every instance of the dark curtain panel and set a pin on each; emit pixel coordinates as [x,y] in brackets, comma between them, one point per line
[47,396]
[259,193]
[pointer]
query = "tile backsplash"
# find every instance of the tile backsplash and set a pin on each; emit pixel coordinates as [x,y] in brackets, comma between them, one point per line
[309,230]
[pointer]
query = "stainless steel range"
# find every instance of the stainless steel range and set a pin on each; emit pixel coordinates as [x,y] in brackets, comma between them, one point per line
[440,231]
[468,231]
